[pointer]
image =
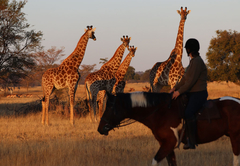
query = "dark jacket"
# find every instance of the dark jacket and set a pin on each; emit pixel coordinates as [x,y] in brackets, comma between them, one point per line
[195,77]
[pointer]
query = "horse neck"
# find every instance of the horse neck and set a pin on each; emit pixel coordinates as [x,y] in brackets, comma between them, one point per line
[147,115]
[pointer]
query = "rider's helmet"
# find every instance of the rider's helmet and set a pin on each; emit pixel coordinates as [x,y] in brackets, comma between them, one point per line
[192,45]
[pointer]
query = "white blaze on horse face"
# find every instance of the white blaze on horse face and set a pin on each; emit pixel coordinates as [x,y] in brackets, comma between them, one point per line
[138,99]
[229,98]
[236,160]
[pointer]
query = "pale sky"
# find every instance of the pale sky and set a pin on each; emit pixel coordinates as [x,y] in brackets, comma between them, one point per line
[152,25]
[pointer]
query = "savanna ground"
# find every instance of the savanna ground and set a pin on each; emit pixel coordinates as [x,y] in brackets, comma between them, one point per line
[25,141]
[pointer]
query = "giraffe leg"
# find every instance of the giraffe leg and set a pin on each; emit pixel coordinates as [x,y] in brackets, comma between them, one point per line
[90,107]
[47,107]
[89,100]
[72,93]
[90,110]
[45,103]
[94,106]
[102,103]
[43,110]
[93,92]
[72,99]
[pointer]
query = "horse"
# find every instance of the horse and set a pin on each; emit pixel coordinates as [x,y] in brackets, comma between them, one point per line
[163,115]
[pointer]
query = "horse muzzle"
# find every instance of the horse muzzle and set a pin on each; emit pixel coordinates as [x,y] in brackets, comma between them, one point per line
[104,130]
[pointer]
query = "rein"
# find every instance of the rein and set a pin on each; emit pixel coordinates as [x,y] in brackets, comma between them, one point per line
[128,121]
[121,124]
[139,120]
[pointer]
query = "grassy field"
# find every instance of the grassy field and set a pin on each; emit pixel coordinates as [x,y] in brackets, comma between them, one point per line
[25,141]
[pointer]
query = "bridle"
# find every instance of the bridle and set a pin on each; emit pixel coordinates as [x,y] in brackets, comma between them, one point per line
[124,122]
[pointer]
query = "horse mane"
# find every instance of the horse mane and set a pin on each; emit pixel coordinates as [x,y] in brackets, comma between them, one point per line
[143,99]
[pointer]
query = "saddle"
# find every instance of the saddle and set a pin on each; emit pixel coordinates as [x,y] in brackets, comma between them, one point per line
[208,111]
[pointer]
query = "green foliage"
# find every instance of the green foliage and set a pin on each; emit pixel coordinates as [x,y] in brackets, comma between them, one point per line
[145,76]
[130,73]
[85,70]
[137,77]
[224,56]
[16,43]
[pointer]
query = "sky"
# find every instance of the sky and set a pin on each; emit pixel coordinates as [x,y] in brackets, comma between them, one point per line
[151,24]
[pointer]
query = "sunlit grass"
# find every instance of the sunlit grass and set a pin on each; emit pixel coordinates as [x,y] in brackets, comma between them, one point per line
[25,141]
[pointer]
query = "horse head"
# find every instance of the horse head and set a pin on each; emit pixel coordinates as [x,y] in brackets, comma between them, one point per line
[112,115]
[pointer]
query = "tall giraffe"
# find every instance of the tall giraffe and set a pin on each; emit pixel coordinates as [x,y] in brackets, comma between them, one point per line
[104,79]
[66,75]
[170,71]
[120,83]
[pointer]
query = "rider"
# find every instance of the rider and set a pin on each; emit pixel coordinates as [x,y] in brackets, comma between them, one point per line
[194,84]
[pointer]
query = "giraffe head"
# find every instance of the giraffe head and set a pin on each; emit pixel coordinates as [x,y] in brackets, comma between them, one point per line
[183,13]
[126,41]
[132,50]
[90,31]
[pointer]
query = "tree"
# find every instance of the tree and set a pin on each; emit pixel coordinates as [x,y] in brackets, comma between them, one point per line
[103,60]
[145,75]
[224,56]
[136,77]
[17,43]
[49,57]
[44,60]
[85,70]
[130,73]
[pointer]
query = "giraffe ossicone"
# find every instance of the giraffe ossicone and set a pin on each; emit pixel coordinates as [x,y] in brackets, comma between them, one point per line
[66,75]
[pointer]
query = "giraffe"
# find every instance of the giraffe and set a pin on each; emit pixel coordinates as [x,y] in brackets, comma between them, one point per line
[104,79]
[120,83]
[170,71]
[66,75]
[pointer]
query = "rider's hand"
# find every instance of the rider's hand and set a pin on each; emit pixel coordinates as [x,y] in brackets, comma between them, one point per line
[175,94]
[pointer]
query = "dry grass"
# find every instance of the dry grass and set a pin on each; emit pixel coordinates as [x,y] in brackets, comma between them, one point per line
[24,141]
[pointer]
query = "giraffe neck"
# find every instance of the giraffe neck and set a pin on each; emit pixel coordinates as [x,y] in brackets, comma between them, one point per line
[113,64]
[75,58]
[123,68]
[179,41]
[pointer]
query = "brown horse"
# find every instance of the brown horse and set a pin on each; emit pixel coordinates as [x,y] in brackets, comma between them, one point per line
[162,115]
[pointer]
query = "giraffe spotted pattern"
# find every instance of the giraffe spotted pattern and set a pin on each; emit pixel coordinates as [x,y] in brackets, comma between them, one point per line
[104,79]
[170,71]
[66,75]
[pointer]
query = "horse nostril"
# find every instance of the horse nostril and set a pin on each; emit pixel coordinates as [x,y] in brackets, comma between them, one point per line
[106,128]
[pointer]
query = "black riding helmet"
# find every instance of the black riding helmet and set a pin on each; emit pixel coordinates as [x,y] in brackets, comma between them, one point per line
[192,45]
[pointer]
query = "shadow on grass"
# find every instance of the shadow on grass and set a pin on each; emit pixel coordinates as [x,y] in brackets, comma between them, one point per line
[55,105]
